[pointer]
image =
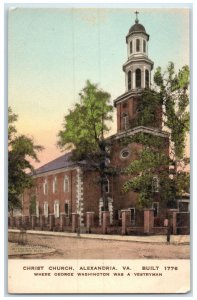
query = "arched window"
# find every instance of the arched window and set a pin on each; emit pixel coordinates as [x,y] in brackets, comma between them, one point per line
[125,121]
[137,45]
[46,209]
[45,187]
[37,209]
[129,80]
[66,208]
[55,185]
[66,184]
[138,78]
[56,209]
[144,46]
[147,79]
[131,47]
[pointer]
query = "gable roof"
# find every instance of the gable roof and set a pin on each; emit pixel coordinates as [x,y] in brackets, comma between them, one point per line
[63,161]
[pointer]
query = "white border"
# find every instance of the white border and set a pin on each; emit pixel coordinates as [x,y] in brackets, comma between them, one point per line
[3,107]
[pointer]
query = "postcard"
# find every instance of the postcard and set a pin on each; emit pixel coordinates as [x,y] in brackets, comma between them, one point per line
[98,150]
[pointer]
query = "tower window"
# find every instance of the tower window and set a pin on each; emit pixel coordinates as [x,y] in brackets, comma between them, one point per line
[124,153]
[144,46]
[129,80]
[147,78]
[138,78]
[131,47]
[137,45]
[125,121]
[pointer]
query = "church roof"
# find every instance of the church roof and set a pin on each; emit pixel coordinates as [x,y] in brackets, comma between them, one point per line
[137,28]
[63,161]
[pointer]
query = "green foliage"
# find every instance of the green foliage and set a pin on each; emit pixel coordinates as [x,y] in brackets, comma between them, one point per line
[148,104]
[173,90]
[84,129]
[172,94]
[150,164]
[85,125]
[20,150]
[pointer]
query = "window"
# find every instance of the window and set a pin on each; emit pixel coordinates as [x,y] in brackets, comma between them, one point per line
[137,45]
[66,184]
[147,78]
[144,46]
[124,153]
[45,187]
[131,47]
[56,209]
[155,206]
[125,121]
[46,209]
[155,184]
[129,80]
[66,208]
[55,185]
[183,205]
[132,210]
[106,185]
[37,209]
[138,78]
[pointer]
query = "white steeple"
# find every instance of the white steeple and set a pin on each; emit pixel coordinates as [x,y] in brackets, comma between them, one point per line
[138,66]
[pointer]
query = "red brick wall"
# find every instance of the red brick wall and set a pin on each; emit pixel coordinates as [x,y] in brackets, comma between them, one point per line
[129,106]
[92,192]
[50,197]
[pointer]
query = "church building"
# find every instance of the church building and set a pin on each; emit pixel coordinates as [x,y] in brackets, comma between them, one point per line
[64,187]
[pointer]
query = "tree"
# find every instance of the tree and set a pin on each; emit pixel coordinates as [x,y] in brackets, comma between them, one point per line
[173,90]
[84,130]
[153,161]
[149,171]
[21,149]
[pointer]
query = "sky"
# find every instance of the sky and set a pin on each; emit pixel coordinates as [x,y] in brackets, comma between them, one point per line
[52,52]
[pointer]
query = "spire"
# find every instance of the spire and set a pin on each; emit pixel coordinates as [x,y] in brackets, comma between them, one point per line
[136,20]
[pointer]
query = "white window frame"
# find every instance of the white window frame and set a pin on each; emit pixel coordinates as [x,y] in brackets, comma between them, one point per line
[132,221]
[144,43]
[55,188]
[125,121]
[56,209]
[45,187]
[122,151]
[46,209]
[66,179]
[37,209]
[67,202]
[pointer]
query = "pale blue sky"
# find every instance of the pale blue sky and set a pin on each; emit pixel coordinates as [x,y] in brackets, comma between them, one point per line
[52,52]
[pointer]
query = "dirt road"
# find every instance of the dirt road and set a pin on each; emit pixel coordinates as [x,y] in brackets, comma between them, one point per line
[82,248]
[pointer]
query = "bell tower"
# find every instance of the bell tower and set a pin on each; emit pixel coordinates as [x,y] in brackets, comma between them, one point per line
[138,66]
[137,71]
